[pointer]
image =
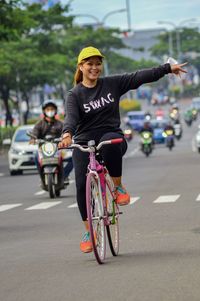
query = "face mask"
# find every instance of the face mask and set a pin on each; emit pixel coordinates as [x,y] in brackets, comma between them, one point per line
[50,114]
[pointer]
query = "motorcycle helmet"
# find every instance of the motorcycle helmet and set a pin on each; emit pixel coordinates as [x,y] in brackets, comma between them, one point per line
[46,103]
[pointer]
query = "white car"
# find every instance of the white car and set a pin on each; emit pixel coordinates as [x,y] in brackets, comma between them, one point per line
[197,140]
[21,155]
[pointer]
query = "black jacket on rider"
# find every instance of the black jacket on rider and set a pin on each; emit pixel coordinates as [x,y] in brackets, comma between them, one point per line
[146,129]
[43,128]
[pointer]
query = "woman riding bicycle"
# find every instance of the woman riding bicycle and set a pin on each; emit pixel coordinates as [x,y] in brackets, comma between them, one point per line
[92,113]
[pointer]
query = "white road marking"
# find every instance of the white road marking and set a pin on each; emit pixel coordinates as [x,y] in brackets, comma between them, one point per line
[133,200]
[167,198]
[198,198]
[40,192]
[73,205]
[8,207]
[43,205]
[1,174]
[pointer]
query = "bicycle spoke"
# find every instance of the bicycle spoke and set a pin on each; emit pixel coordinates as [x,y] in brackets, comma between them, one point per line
[95,218]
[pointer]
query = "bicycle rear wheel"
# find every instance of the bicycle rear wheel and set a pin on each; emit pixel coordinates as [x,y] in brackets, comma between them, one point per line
[113,213]
[95,218]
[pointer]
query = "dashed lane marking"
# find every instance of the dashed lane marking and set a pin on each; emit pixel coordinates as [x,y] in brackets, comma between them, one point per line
[167,198]
[44,205]
[134,199]
[40,192]
[198,198]
[1,174]
[73,205]
[8,207]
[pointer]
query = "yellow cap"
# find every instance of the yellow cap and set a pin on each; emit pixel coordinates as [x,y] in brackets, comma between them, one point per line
[88,52]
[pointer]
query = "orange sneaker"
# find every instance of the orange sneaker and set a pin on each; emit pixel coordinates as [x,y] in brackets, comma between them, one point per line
[86,245]
[122,196]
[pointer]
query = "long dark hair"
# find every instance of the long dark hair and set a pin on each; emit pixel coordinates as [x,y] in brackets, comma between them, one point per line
[78,76]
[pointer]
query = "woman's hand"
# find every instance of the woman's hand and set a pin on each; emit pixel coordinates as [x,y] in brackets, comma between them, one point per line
[177,69]
[66,141]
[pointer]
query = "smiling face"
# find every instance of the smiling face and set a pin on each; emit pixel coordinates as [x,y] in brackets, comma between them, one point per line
[91,69]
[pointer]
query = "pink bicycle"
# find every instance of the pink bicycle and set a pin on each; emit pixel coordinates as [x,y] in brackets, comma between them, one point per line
[102,211]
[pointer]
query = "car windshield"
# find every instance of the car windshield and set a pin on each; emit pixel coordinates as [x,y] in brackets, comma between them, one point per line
[158,124]
[21,136]
[136,117]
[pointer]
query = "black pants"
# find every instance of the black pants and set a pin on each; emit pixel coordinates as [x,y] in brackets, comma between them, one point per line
[112,157]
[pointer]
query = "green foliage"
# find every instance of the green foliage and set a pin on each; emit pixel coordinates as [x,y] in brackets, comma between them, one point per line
[175,90]
[6,132]
[120,64]
[191,91]
[127,105]
[189,42]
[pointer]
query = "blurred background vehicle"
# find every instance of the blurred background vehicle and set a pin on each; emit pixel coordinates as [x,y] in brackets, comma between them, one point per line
[135,119]
[158,129]
[159,99]
[196,103]
[197,139]
[21,155]
[128,133]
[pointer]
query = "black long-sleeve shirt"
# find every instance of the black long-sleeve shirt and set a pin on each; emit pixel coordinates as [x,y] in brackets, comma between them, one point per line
[43,128]
[90,112]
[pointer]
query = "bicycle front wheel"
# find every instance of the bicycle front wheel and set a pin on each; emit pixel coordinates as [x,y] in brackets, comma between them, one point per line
[113,214]
[95,217]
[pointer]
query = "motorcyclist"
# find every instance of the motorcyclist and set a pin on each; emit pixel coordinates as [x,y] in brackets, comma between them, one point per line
[169,127]
[49,125]
[146,127]
[148,115]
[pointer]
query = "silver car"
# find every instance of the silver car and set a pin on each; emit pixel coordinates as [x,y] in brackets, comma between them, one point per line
[21,155]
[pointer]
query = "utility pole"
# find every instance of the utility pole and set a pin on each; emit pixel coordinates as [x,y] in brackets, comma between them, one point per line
[128,15]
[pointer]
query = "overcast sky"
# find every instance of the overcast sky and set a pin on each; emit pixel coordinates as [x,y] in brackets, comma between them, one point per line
[144,13]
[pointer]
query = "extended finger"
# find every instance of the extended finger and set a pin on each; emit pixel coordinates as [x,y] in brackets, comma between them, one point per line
[182,70]
[181,65]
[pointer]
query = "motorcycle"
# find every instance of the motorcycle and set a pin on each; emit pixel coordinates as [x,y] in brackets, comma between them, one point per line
[178,131]
[194,114]
[188,118]
[128,134]
[146,143]
[169,138]
[174,115]
[50,165]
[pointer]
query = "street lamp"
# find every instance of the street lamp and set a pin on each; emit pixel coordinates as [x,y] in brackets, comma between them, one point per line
[177,27]
[112,13]
[89,16]
[104,18]
[170,41]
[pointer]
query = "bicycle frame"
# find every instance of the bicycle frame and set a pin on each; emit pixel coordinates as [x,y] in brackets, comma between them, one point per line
[99,170]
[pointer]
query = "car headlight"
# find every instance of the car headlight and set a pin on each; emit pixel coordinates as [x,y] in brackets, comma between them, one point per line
[17,151]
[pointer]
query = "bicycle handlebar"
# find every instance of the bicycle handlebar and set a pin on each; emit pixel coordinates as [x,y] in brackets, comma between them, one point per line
[90,149]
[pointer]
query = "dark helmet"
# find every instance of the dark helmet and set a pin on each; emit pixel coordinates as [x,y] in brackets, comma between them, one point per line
[49,102]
